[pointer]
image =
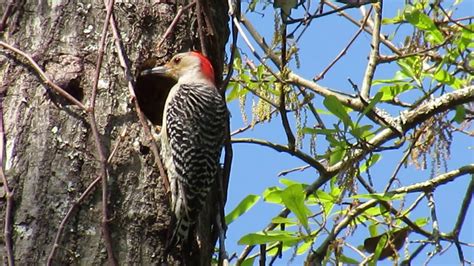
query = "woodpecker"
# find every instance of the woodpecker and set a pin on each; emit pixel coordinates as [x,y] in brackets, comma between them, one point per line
[192,137]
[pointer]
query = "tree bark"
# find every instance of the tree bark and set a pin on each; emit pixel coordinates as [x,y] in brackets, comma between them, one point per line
[51,156]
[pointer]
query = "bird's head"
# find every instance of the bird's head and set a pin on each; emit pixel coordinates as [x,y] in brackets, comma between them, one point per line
[192,66]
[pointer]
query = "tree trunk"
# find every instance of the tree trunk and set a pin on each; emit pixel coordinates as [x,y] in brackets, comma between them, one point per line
[51,155]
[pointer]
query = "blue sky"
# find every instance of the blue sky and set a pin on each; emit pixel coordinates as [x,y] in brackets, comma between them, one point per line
[256,168]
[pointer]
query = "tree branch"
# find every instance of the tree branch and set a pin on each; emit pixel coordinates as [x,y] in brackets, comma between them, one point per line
[99,147]
[374,53]
[280,148]
[43,75]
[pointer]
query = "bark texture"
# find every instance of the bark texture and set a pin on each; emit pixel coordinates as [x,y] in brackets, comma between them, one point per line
[50,153]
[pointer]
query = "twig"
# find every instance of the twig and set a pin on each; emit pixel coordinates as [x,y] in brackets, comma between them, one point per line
[7,229]
[374,53]
[66,218]
[299,168]
[435,222]
[252,49]
[437,181]
[124,62]
[290,137]
[99,147]
[6,14]
[383,39]
[173,23]
[452,20]
[402,161]
[83,196]
[281,148]
[250,125]
[464,208]
[338,9]
[43,76]
[344,51]
[233,46]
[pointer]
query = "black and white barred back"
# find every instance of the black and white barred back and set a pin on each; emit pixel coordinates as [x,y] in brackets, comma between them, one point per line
[195,126]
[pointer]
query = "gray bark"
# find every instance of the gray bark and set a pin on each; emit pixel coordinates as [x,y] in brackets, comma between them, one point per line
[50,152]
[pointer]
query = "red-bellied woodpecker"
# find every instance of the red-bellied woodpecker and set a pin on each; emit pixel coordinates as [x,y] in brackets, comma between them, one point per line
[192,136]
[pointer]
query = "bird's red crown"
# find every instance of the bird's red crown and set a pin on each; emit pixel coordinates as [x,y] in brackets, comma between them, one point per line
[206,66]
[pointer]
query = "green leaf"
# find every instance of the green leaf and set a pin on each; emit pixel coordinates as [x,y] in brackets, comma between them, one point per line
[245,205]
[380,245]
[379,196]
[337,154]
[425,23]
[283,220]
[248,262]
[336,108]
[371,161]
[347,260]
[391,91]
[373,229]
[376,99]
[408,68]
[362,132]
[288,182]
[272,195]
[460,114]
[303,247]
[422,221]
[319,131]
[293,197]
[444,77]
[268,237]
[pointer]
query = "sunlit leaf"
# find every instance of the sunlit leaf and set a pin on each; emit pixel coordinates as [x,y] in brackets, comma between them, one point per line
[371,161]
[245,205]
[272,195]
[460,114]
[391,91]
[380,196]
[336,108]
[293,197]
[248,262]
[348,260]
[425,23]
[268,237]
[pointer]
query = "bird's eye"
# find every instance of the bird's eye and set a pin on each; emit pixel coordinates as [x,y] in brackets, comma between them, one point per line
[176,60]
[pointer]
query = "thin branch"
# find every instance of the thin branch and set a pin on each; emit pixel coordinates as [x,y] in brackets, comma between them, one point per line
[124,62]
[374,53]
[281,148]
[6,14]
[454,21]
[252,49]
[43,75]
[99,146]
[437,181]
[402,161]
[8,226]
[71,210]
[434,218]
[299,168]
[464,208]
[173,23]
[78,202]
[383,39]
[344,51]
[336,10]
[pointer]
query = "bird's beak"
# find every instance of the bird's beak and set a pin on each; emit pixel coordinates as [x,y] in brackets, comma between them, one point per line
[161,70]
